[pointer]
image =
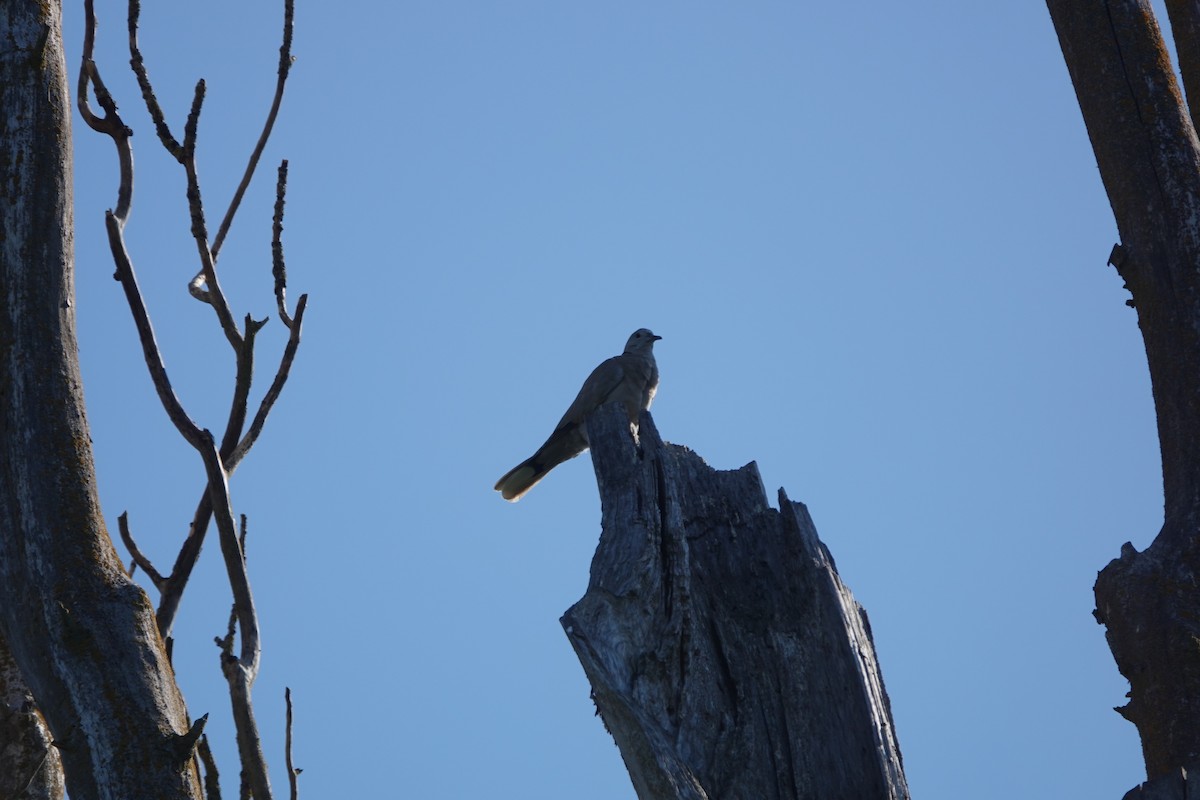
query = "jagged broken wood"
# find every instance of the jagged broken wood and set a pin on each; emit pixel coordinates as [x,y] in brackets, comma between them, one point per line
[725,655]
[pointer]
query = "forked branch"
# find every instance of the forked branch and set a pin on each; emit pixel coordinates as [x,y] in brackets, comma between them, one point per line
[240,669]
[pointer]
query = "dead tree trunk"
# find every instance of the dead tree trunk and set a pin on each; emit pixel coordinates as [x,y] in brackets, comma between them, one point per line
[82,634]
[1149,158]
[725,655]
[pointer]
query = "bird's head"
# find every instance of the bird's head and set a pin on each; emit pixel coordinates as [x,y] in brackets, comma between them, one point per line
[641,341]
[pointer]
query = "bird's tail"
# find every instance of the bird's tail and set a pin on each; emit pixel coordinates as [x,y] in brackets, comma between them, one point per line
[565,443]
[520,479]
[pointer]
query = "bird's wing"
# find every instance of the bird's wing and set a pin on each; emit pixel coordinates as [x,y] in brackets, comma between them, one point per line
[599,387]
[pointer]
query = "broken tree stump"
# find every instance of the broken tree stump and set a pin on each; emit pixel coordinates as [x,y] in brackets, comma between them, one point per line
[726,657]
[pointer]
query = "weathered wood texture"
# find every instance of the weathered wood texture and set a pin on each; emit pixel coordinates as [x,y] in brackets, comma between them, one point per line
[1149,159]
[725,655]
[30,767]
[82,634]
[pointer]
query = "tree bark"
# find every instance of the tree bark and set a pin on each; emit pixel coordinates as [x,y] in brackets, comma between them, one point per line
[725,655]
[30,767]
[1149,160]
[82,634]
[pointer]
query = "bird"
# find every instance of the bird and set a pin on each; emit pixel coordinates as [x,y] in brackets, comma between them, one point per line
[630,379]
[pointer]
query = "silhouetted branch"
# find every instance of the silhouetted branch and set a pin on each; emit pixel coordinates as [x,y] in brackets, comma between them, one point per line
[285,65]
[291,768]
[278,267]
[281,376]
[232,457]
[212,778]
[110,124]
[138,559]
[139,70]
[213,296]
[241,669]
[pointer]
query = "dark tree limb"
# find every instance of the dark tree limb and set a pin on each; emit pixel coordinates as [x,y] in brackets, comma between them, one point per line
[212,777]
[1146,148]
[135,553]
[293,773]
[231,456]
[214,296]
[278,266]
[169,142]
[285,66]
[725,655]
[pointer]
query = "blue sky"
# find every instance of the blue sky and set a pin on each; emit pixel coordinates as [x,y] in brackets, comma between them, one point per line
[873,239]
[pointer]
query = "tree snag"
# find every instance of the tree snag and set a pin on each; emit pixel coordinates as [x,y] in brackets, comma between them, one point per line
[725,655]
[1145,144]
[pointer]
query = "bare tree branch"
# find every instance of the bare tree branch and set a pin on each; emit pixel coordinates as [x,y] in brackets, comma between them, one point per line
[268,401]
[291,768]
[171,592]
[285,65]
[278,267]
[212,778]
[213,296]
[138,559]
[232,457]
[110,123]
[139,69]
[241,669]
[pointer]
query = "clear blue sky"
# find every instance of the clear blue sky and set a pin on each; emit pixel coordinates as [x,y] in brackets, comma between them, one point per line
[873,239]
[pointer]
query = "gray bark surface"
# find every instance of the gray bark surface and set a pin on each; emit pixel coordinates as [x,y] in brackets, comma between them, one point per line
[725,655]
[30,767]
[81,633]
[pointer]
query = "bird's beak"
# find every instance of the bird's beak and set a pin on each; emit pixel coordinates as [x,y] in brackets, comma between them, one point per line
[656,338]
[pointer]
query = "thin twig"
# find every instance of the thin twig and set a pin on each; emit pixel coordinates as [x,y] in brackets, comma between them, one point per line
[268,401]
[139,69]
[240,670]
[235,564]
[110,124]
[278,267]
[138,559]
[287,747]
[231,457]
[172,590]
[214,296]
[212,779]
[285,65]
[141,320]
[239,405]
